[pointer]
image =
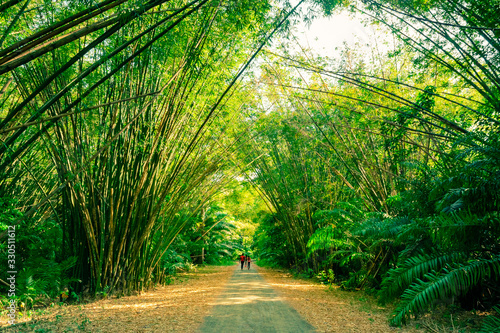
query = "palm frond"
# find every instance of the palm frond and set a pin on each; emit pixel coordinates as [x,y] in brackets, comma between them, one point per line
[386,228]
[451,282]
[415,268]
[491,324]
[326,238]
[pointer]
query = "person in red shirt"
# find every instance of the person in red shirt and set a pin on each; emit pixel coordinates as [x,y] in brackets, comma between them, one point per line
[242,259]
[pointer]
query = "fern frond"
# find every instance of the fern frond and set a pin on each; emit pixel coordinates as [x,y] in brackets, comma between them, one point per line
[413,231]
[352,208]
[422,293]
[412,269]
[325,239]
[382,229]
[334,216]
[491,324]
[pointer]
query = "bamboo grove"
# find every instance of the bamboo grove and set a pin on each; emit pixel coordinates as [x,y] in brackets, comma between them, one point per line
[123,121]
[382,167]
[113,131]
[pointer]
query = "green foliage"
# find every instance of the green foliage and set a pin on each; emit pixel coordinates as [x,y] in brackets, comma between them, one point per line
[492,323]
[326,277]
[439,258]
[271,244]
[353,280]
[333,226]
[329,237]
[334,236]
[380,227]
[8,212]
[413,136]
[413,269]
[42,272]
[174,262]
[46,280]
[209,233]
[381,172]
[116,139]
[454,281]
[328,6]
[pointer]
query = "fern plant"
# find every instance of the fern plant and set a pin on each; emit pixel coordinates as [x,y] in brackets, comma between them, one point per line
[457,252]
[492,323]
[413,269]
[435,285]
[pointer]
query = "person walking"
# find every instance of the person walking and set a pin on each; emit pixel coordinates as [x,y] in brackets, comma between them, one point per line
[248,261]
[242,259]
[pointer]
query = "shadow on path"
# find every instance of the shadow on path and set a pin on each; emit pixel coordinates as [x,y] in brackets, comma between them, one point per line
[249,304]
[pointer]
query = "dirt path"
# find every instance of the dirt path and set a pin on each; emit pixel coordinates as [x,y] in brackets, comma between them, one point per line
[249,304]
[204,300]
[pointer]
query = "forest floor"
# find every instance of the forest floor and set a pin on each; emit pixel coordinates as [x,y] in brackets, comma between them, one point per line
[330,309]
[187,305]
[178,307]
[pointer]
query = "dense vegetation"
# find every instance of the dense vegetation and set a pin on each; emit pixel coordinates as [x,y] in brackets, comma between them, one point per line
[131,133]
[114,135]
[383,170]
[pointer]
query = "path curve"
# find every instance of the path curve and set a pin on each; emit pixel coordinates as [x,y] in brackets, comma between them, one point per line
[249,304]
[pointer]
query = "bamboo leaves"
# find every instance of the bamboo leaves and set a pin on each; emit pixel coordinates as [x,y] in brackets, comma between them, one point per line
[124,123]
